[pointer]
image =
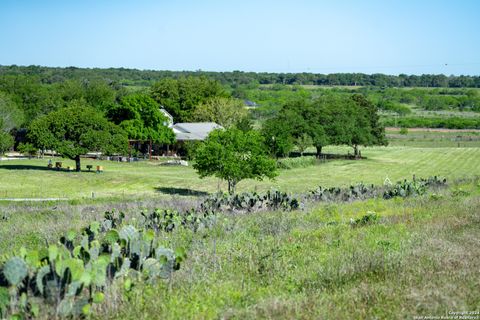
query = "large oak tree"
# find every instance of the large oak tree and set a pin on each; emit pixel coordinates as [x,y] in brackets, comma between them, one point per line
[73,131]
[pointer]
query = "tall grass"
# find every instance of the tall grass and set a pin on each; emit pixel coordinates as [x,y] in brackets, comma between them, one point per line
[416,259]
[298,162]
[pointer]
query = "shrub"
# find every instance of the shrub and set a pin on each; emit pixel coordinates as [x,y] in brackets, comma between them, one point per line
[27,149]
[369,218]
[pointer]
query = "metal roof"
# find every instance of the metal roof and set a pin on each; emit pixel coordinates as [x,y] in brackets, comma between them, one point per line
[194,130]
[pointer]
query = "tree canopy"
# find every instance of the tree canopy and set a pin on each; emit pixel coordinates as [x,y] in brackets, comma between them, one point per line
[181,96]
[6,140]
[278,137]
[235,78]
[140,116]
[227,112]
[11,115]
[329,119]
[74,131]
[234,155]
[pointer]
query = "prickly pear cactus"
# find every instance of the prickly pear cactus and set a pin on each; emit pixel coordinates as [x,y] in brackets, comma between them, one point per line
[15,270]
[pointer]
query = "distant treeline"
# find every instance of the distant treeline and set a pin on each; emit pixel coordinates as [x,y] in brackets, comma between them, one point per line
[135,77]
[433,122]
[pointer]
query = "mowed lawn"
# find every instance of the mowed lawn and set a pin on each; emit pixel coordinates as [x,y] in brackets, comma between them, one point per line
[31,178]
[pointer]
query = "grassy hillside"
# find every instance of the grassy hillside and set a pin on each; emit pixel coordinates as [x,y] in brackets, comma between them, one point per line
[416,259]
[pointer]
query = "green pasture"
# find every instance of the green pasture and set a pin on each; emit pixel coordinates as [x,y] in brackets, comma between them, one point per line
[32,178]
[432,139]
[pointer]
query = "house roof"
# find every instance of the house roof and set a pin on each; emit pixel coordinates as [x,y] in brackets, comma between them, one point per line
[194,130]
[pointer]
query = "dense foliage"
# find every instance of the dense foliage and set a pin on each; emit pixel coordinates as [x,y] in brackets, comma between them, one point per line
[397,100]
[141,118]
[328,120]
[433,122]
[6,140]
[227,112]
[180,96]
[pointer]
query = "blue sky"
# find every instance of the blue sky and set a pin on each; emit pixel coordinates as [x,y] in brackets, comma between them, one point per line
[392,37]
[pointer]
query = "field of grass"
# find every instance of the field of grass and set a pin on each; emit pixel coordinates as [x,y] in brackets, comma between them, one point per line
[31,178]
[434,139]
[417,259]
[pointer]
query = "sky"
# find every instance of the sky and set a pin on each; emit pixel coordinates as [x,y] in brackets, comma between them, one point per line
[369,36]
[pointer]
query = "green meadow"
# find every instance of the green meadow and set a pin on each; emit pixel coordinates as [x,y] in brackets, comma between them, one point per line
[32,178]
[416,259]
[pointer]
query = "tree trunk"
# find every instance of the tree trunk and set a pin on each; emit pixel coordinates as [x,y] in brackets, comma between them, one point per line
[77,164]
[231,186]
[319,151]
[355,151]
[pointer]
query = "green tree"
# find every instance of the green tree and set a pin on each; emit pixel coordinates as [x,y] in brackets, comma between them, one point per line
[74,131]
[140,116]
[234,155]
[29,94]
[316,120]
[303,143]
[244,124]
[299,118]
[368,130]
[6,140]
[10,114]
[181,96]
[329,119]
[277,136]
[99,94]
[96,93]
[69,90]
[227,112]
